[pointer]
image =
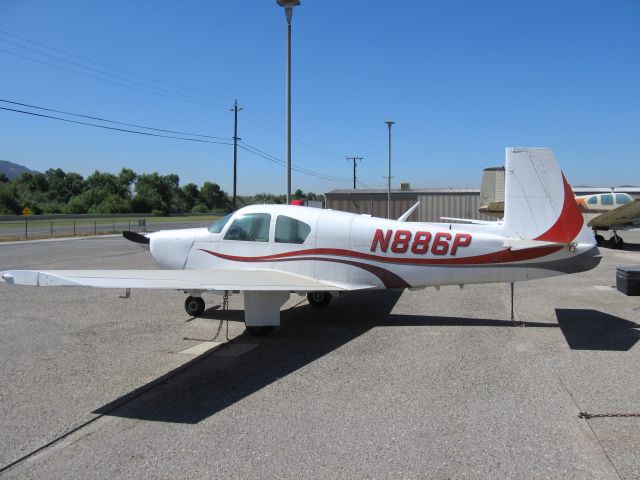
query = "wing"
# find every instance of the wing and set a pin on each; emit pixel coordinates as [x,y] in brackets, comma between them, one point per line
[626,215]
[243,280]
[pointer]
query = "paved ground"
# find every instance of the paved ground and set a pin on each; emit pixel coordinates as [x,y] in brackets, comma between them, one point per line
[383,385]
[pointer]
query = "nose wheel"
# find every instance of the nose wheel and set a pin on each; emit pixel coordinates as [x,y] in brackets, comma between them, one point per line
[194,306]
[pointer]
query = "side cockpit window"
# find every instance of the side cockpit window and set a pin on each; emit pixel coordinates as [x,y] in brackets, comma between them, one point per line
[622,198]
[593,200]
[218,225]
[290,230]
[607,199]
[250,227]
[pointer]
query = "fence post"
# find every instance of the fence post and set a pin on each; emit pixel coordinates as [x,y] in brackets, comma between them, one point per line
[129,224]
[113,230]
[95,227]
[25,228]
[74,228]
[51,226]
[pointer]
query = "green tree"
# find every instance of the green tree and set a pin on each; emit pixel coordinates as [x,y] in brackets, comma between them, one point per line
[214,197]
[8,201]
[156,193]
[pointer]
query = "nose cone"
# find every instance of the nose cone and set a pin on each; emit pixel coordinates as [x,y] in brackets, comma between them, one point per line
[170,248]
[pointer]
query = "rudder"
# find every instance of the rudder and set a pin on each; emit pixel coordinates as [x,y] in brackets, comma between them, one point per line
[539,203]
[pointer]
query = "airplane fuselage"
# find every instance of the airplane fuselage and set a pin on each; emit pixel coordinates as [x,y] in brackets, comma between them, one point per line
[346,248]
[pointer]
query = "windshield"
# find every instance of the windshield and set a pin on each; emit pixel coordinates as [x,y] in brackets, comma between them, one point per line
[218,225]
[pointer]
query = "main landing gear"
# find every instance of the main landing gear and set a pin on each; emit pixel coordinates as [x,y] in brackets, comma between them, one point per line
[261,309]
[194,306]
[319,299]
[614,242]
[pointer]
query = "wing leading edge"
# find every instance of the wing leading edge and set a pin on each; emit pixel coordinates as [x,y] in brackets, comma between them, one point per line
[626,215]
[243,280]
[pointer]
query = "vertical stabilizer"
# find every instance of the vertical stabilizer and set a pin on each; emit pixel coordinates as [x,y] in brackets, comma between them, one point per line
[539,203]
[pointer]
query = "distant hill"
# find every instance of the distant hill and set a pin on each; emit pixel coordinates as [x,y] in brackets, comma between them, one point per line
[13,170]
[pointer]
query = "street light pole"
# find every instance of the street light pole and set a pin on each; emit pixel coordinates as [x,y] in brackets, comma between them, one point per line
[389,123]
[288,10]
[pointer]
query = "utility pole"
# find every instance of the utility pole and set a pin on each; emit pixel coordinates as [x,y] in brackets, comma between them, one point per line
[235,111]
[355,160]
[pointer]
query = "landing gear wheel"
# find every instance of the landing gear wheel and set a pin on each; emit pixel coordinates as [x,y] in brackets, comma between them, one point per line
[259,331]
[194,306]
[599,239]
[319,299]
[616,242]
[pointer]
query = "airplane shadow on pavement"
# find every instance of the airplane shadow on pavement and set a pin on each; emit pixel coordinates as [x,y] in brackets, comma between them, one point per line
[210,383]
[587,329]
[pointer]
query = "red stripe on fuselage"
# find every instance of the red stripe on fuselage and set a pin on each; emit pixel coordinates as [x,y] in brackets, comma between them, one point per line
[502,256]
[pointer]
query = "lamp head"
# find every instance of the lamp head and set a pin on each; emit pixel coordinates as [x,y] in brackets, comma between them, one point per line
[288,7]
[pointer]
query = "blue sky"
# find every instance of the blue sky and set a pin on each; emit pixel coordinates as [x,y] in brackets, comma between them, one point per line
[462,81]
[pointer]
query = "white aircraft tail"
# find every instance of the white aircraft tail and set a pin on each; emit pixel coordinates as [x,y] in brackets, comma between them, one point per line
[539,203]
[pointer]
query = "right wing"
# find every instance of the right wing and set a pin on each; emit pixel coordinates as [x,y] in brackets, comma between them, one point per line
[243,280]
[626,215]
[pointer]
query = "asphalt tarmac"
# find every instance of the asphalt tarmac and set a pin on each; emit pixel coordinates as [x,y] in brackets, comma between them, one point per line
[424,384]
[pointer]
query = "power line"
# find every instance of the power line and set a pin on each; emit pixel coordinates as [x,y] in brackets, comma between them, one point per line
[59,67]
[102,72]
[295,139]
[244,146]
[273,159]
[86,59]
[112,121]
[112,128]
[298,169]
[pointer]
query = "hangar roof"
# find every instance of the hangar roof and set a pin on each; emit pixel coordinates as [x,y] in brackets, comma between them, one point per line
[413,191]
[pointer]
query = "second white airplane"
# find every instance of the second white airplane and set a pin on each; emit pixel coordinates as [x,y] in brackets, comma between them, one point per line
[269,251]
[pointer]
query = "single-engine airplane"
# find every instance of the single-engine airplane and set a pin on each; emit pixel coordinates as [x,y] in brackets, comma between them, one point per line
[268,251]
[610,211]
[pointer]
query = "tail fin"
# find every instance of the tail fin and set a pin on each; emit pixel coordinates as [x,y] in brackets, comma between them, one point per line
[539,203]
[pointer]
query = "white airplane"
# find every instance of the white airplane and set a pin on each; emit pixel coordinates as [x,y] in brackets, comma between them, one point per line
[269,251]
[610,211]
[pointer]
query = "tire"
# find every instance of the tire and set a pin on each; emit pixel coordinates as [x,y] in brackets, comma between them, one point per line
[259,331]
[319,299]
[599,239]
[194,306]
[616,242]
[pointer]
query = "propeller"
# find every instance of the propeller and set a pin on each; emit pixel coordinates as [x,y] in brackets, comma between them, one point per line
[136,237]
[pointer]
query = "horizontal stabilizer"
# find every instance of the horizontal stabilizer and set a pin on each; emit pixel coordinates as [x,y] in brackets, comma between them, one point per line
[406,214]
[520,244]
[471,220]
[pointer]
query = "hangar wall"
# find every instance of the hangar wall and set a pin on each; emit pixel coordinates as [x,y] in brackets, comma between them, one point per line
[434,203]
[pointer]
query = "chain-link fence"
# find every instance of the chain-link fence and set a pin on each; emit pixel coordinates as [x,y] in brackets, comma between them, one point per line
[30,228]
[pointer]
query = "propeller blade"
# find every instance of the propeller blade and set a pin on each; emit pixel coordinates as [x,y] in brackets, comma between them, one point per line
[136,237]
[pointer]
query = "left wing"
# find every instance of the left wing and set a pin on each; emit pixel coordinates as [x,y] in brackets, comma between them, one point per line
[243,280]
[625,215]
